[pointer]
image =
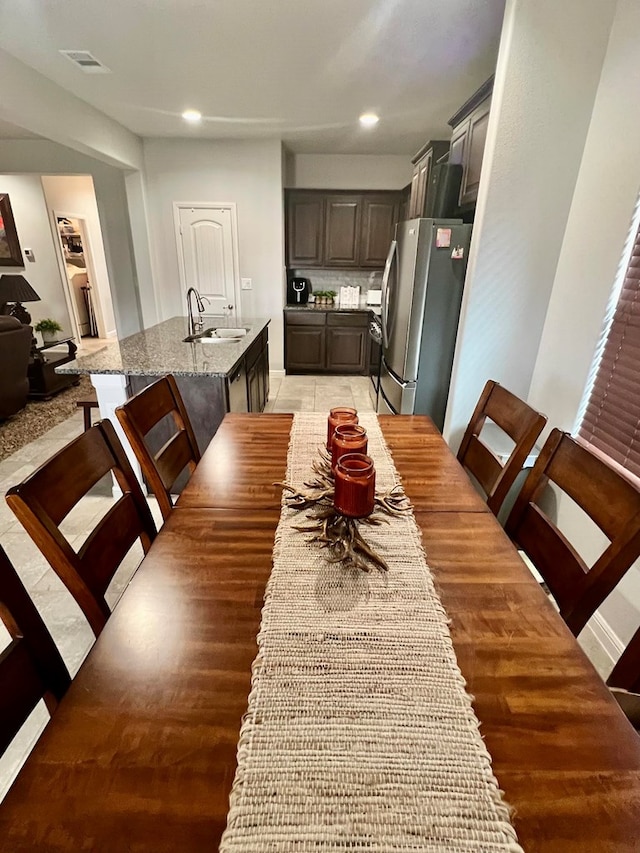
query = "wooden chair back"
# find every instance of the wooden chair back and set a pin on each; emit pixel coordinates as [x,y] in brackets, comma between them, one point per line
[610,500]
[519,421]
[138,416]
[626,673]
[31,667]
[45,498]
[624,681]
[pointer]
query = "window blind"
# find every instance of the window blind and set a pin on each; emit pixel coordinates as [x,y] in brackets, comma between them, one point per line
[611,420]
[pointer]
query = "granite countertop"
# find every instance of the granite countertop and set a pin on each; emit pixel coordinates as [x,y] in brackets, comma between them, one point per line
[366,309]
[314,307]
[161,350]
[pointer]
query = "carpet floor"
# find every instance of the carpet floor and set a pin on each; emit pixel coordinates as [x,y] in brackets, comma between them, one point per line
[39,416]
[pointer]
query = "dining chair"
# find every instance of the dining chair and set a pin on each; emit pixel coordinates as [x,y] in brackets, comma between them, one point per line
[519,421]
[46,497]
[611,502]
[624,681]
[144,412]
[31,667]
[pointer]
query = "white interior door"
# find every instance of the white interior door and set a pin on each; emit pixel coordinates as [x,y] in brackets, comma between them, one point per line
[207,248]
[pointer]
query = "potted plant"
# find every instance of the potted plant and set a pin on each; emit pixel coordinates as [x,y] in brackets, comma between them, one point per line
[49,329]
[324,297]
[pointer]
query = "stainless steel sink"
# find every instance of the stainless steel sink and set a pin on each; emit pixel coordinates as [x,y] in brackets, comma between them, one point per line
[216,335]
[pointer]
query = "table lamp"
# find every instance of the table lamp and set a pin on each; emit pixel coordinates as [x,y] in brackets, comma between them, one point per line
[16,289]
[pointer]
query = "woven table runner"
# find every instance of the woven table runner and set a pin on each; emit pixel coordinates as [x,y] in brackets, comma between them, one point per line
[359,734]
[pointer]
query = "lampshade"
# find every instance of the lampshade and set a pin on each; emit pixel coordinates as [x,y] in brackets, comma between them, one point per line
[15,288]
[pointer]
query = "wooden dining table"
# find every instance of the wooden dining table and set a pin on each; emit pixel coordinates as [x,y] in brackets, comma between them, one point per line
[141,753]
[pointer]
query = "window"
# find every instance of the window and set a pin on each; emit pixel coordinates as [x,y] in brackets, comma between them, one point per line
[611,417]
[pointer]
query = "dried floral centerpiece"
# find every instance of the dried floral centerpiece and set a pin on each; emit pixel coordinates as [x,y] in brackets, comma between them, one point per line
[338,532]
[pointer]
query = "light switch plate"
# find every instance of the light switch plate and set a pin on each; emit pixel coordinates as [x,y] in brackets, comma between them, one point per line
[246,283]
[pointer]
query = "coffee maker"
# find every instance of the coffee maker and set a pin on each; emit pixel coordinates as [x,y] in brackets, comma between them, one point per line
[298,290]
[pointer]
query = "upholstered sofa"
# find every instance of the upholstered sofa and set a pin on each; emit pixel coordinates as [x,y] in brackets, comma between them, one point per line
[15,347]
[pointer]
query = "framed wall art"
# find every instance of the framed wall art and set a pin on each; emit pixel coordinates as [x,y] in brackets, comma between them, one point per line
[10,252]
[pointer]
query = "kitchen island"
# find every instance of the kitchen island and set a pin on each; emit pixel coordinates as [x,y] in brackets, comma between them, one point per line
[214,377]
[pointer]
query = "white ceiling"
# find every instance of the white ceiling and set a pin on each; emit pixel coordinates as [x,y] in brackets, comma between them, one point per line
[12,131]
[299,70]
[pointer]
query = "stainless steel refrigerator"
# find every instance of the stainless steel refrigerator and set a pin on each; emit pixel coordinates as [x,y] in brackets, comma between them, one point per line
[421,296]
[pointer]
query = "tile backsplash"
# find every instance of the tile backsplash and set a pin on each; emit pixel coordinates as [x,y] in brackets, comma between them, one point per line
[335,279]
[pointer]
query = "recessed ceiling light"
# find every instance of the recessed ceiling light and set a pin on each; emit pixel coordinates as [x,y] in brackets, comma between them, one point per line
[193,116]
[369,119]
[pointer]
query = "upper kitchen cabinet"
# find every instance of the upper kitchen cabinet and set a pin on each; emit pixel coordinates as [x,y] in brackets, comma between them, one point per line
[469,126]
[423,162]
[340,229]
[305,229]
[379,216]
[343,214]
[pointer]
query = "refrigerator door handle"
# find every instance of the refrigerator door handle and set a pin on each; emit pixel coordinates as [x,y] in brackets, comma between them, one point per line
[385,291]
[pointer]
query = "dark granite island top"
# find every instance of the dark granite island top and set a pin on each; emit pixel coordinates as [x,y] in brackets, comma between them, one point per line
[160,350]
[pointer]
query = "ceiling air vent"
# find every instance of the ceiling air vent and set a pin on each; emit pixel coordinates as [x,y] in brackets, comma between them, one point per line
[86,61]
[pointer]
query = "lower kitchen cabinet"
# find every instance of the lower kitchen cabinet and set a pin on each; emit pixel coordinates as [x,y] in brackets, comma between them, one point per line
[326,341]
[305,349]
[257,369]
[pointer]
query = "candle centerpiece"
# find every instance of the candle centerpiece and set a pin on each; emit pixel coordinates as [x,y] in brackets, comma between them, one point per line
[339,500]
[347,438]
[339,415]
[355,485]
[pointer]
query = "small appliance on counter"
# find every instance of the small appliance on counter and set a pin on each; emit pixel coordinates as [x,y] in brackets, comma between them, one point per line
[298,290]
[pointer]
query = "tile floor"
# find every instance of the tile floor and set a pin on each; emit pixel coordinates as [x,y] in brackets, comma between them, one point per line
[59,610]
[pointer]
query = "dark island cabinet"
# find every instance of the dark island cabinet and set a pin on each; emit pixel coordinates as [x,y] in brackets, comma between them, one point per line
[257,370]
[326,341]
[341,229]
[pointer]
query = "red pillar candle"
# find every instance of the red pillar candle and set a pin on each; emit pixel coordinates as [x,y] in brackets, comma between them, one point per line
[355,485]
[338,415]
[347,438]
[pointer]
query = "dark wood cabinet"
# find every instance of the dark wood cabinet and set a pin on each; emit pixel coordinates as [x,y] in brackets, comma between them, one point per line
[342,230]
[346,350]
[352,230]
[422,165]
[304,341]
[469,136]
[404,204]
[257,372]
[326,341]
[379,217]
[305,229]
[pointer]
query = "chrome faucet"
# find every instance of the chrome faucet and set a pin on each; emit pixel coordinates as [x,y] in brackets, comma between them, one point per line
[195,325]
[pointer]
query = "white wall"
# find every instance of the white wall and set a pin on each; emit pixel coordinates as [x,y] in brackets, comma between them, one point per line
[547,75]
[248,173]
[348,171]
[34,232]
[74,195]
[43,157]
[599,219]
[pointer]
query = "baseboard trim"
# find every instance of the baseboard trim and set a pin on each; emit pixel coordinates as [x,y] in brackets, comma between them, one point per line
[277,374]
[605,636]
